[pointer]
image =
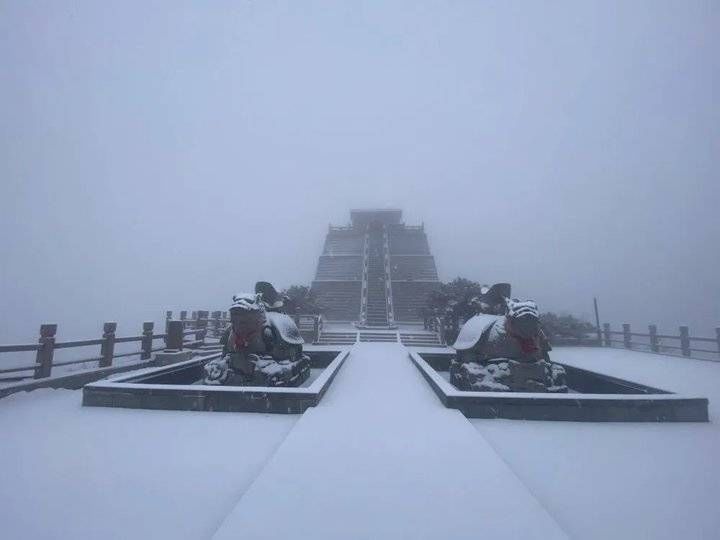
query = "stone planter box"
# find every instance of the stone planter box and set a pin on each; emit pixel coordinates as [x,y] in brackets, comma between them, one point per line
[596,398]
[175,387]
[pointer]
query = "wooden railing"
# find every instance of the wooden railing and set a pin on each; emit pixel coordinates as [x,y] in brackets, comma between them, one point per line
[310,326]
[213,323]
[181,334]
[364,287]
[47,345]
[388,279]
[681,344]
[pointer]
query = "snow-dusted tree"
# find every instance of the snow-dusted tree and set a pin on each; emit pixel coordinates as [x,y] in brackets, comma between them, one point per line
[455,296]
[454,299]
[565,326]
[301,299]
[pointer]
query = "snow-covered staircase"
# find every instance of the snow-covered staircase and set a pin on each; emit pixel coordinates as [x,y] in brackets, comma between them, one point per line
[411,339]
[337,338]
[379,337]
[418,339]
[376,298]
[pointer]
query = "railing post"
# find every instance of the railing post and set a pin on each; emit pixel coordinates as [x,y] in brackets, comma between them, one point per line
[168,317]
[202,322]
[216,323]
[654,345]
[717,337]
[44,356]
[174,339]
[316,329]
[147,340]
[107,349]
[627,339]
[597,322]
[685,340]
[606,335]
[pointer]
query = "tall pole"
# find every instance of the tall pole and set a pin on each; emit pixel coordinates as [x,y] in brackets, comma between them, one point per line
[597,320]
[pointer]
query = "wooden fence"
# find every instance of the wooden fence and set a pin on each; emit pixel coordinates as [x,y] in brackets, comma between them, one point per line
[183,333]
[191,332]
[683,344]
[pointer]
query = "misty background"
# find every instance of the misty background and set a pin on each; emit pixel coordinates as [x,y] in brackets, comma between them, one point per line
[165,155]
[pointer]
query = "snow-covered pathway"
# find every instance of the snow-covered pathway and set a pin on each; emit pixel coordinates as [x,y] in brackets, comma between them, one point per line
[381,457]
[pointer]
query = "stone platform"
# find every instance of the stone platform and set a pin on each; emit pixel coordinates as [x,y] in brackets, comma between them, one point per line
[379,457]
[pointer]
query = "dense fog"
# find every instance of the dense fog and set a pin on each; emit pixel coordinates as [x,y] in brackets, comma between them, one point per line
[166,155]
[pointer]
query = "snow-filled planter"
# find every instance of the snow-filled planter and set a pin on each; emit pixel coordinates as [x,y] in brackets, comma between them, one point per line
[179,387]
[593,397]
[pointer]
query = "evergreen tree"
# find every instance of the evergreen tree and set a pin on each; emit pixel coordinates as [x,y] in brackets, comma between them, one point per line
[301,299]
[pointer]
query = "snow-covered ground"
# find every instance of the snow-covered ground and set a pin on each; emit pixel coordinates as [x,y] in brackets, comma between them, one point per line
[380,457]
[634,480]
[74,472]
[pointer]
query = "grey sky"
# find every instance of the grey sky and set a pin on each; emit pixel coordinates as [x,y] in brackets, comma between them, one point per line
[167,154]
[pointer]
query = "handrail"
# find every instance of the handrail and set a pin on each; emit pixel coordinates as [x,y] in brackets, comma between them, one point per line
[703,339]
[83,361]
[364,286]
[19,348]
[200,325]
[654,341]
[388,279]
[16,369]
[129,339]
[79,343]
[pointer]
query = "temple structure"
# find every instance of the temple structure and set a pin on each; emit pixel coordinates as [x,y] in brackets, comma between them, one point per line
[376,271]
